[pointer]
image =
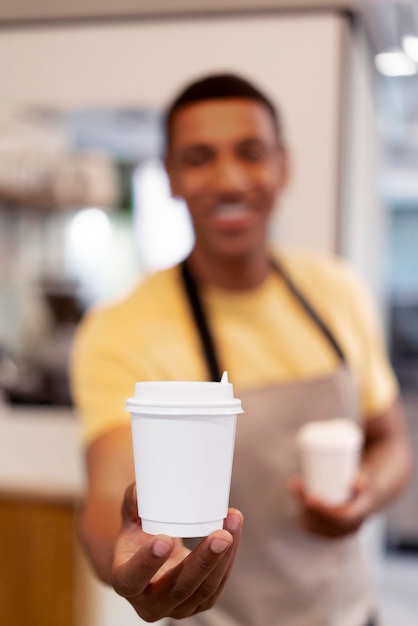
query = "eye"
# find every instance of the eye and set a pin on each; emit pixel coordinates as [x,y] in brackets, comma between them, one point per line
[196,156]
[252,151]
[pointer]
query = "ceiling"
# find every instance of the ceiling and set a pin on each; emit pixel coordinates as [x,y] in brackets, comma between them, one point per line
[386,22]
[10,10]
[53,10]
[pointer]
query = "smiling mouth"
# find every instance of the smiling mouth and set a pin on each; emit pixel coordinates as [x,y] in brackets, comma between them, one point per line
[232,211]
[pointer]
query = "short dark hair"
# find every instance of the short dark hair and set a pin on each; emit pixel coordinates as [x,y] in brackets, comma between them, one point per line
[215,87]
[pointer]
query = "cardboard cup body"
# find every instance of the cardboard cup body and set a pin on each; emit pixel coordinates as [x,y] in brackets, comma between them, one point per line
[329,455]
[183,449]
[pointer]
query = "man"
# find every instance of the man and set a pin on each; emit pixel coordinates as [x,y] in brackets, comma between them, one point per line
[300,341]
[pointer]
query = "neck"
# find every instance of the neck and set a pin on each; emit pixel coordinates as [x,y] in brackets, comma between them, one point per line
[238,273]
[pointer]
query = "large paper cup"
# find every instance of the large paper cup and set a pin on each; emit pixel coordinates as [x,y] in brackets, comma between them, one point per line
[329,454]
[183,437]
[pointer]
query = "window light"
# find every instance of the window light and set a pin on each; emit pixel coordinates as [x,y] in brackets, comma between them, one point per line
[395,63]
[410,46]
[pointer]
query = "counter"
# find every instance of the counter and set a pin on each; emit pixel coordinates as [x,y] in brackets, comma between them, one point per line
[40,453]
[41,483]
[41,479]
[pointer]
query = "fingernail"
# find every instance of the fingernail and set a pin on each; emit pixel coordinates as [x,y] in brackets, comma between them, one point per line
[161,548]
[232,522]
[219,545]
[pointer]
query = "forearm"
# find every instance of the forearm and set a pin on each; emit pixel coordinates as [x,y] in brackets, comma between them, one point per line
[110,471]
[98,525]
[387,460]
[389,467]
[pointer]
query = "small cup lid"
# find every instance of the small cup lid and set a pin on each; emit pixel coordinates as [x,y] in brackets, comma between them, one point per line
[336,433]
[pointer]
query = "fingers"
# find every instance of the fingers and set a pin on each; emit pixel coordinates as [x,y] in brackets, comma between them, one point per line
[210,590]
[131,576]
[183,585]
[233,523]
[202,578]
[323,525]
[333,521]
[137,556]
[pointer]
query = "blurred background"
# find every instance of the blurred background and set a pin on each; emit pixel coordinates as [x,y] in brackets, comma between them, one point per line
[85,212]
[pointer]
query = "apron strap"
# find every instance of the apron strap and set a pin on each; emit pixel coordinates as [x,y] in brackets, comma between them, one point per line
[309,309]
[208,343]
[206,338]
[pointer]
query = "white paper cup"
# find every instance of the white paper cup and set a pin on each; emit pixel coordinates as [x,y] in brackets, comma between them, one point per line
[183,437]
[329,454]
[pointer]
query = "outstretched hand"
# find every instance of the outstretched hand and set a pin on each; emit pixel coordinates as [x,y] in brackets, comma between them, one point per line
[334,521]
[160,577]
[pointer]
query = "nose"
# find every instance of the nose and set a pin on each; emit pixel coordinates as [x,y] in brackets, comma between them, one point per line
[230,177]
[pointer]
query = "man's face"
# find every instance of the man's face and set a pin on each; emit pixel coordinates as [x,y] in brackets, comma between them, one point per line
[225,162]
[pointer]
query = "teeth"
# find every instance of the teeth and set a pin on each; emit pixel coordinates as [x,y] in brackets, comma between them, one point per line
[232,210]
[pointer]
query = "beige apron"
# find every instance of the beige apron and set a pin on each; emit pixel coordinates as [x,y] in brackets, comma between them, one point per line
[284,576]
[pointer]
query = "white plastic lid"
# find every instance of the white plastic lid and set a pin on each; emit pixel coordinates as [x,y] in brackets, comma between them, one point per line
[338,432]
[184,398]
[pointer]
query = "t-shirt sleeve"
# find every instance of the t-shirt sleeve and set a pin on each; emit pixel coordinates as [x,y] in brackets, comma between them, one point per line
[102,375]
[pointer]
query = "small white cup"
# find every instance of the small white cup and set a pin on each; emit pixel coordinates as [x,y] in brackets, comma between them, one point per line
[183,437]
[329,454]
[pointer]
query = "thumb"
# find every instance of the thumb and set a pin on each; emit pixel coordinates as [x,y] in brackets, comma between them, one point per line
[130,505]
[361,483]
[294,485]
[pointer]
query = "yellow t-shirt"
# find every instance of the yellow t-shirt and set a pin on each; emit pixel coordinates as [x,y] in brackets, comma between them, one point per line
[262,336]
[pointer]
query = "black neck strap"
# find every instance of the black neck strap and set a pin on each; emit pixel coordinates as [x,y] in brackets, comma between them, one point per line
[208,343]
[206,338]
[309,309]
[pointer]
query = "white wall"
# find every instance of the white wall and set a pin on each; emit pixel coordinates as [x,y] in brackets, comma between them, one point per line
[296,58]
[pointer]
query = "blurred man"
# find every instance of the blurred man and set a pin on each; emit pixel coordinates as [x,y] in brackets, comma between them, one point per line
[300,340]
